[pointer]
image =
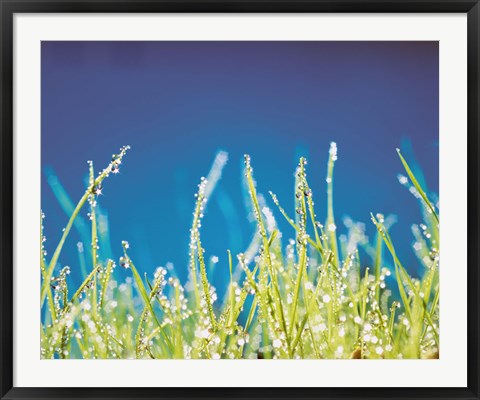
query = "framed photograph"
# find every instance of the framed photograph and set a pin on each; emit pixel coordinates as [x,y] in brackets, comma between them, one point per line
[236,199]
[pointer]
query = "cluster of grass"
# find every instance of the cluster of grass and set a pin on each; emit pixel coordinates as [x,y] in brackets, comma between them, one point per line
[309,298]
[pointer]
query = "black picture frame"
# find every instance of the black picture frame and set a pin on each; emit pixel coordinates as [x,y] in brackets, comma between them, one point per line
[8,8]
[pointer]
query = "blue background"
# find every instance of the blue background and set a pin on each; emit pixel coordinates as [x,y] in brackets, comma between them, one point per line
[178,103]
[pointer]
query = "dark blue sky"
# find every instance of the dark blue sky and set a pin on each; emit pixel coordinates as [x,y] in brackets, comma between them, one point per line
[178,103]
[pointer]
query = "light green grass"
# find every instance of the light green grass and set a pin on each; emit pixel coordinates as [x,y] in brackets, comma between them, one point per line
[307,297]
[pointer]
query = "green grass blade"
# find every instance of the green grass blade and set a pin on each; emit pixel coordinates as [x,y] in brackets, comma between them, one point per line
[144,294]
[417,186]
